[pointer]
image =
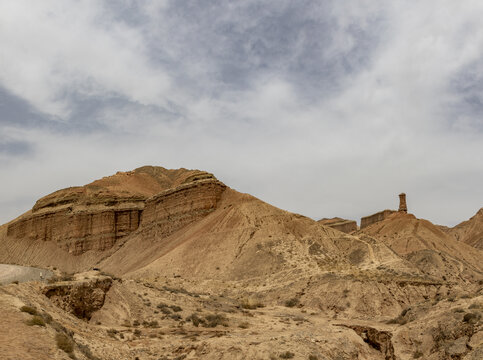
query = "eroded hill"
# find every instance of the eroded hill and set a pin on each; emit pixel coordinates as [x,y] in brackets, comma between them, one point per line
[199,270]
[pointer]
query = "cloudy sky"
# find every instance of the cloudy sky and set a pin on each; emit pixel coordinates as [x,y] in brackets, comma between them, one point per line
[324,108]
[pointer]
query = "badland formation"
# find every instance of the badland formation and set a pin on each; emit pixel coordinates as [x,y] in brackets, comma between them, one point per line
[174,264]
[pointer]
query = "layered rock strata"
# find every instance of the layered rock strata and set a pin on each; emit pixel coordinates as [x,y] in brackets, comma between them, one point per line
[374,218]
[95,217]
[172,209]
[346,226]
[403,207]
[78,232]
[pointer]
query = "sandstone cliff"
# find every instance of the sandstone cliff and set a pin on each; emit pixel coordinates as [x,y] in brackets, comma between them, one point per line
[374,218]
[95,216]
[337,223]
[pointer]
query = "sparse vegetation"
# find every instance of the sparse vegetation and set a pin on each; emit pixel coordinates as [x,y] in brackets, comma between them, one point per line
[472,317]
[213,320]
[176,308]
[313,357]
[244,325]
[29,310]
[152,324]
[64,343]
[195,320]
[36,320]
[176,317]
[292,302]
[417,354]
[251,304]
[112,332]
[287,355]
[475,305]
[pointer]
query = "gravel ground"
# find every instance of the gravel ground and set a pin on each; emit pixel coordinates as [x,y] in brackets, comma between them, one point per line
[9,273]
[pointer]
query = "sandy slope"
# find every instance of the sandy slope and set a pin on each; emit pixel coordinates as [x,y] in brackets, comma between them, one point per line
[470,231]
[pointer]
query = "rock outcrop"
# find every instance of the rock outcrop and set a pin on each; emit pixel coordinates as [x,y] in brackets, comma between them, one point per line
[403,207]
[172,209]
[78,231]
[374,218]
[96,216]
[337,223]
[377,339]
[81,299]
[382,215]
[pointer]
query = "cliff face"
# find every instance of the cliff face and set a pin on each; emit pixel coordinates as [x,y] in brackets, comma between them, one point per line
[172,209]
[95,216]
[78,232]
[372,219]
[346,226]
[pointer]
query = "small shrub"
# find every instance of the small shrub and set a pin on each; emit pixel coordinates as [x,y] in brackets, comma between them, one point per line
[458,310]
[164,308]
[213,320]
[153,324]
[112,332]
[405,311]
[287,355]
[475,305]
[64,343]
[176,308]
[313,357]
[244,325]
[29,310]
[84,349]
[137,332]
[47,317]
[417,354]
[251,304]
[195,319]
[292,302]
[15,282]
[176,317]
[135,323]
[36,320]
[471,318]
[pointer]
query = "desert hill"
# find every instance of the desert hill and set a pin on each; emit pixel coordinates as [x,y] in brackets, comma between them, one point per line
[470,231]
[73,228]
[427,246]
[178,248]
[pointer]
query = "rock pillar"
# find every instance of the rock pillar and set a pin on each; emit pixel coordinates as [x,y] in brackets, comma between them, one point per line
[402,203]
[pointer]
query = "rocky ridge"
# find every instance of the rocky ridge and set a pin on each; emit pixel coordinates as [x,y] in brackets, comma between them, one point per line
[212,273]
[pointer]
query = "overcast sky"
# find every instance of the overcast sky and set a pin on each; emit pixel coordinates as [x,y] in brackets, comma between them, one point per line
[324,108]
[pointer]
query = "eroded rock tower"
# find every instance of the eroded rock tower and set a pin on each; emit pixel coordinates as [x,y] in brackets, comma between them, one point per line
[402,203]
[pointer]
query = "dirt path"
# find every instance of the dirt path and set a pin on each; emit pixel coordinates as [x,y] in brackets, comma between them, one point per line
[9,273]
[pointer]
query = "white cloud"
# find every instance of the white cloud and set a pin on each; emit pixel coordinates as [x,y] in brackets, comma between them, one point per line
[54,48]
